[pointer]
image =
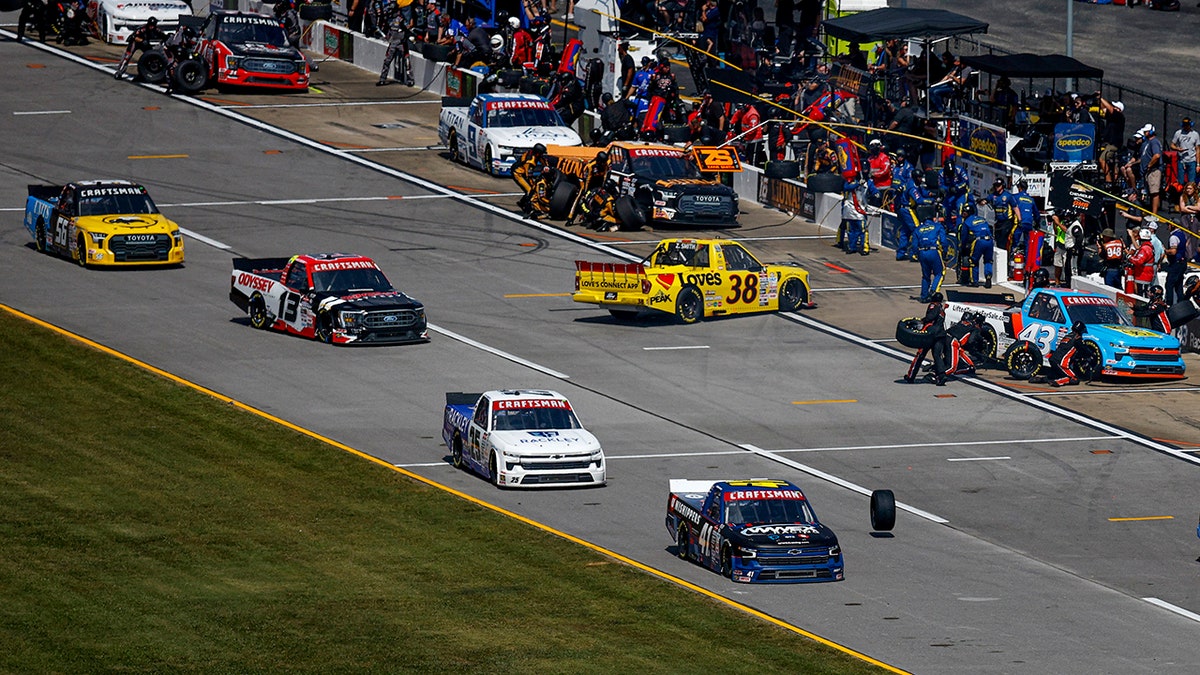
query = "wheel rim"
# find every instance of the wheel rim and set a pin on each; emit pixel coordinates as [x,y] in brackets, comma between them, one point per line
[1022,364]
[487,161]
[258,312]
[324,330]
[789,297]
[681,541]
[456,454]
[689,306]
[82,253]
[40,237]
[1089,362]
[494,469]
[454,148]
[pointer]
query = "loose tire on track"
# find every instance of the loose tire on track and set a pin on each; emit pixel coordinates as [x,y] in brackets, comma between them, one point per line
[190,76]
[689,305]
[883,510]
[631,215]
[562,198]
[152,66]
[910,334]
[1023,360]
[792,295]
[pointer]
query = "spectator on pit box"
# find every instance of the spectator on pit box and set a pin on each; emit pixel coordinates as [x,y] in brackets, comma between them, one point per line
[1184,142]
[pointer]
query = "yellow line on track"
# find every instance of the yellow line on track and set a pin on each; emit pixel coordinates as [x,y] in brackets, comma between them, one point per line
[538,295]
[829,400]
[1126,520]
[462,495]
[157,157]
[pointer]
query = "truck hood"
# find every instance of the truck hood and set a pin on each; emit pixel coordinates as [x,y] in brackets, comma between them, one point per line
[372,300]
[545,442]
[1131,336]
[526,137]
[784,534]
[263,49]
[139,223]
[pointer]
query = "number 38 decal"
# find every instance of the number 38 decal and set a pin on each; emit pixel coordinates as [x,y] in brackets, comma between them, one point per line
[745,289]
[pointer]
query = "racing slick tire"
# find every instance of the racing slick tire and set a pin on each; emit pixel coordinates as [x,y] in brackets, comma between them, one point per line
[323,328]
[487,161]
[316,11]
[727,561]
[983,347]
[562,198]
[689,305]
[631,215]
[494,470]
[910,334]
[452,145]
[792,295]
[456,450]
[1023,360]
[190,76]
[152,66]
[681,541]
[1182,312]
[825,182]
[623,314]
[256,309]
[782,169]
[81,250]
[1087,361]
[39,236]
[883,510]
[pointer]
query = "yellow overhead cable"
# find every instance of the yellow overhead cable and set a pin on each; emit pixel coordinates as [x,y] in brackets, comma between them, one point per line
[1139,207]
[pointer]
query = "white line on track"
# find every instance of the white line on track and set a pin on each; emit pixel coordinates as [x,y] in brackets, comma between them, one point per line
[1172,608]
[497,352]
[867,288]
[900,446]
[1089,392]
[975,459]
[205,240]
[415,148]
[665,349]
[317,200]
[423,464]
[669,455]
[43,112]
[1065,413]
[347,104]
[838,481]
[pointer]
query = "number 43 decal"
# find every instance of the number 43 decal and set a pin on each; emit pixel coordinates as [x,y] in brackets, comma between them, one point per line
[1040,334]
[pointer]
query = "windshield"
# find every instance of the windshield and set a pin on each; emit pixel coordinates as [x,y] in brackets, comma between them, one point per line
[356,281]
[265,32]
[1097,314]
[523,117]
[661,167]
[768,511]
[103,205]
[534,419]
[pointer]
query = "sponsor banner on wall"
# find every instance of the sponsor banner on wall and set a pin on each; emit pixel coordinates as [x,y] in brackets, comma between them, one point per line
[888,225]
[784,195]
[1074,142]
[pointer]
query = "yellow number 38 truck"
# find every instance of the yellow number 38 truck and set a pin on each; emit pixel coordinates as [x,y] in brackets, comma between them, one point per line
[692,279]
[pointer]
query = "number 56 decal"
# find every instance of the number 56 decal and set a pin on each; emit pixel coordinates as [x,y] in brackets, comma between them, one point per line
[1040,334]
[717,160]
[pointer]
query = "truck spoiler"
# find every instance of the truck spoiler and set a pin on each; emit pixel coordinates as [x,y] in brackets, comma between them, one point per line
[461,398]
[45,192]
[636,269]
[684,485]
[263,266]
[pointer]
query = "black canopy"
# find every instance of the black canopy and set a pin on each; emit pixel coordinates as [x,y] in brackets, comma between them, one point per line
[891,22]
[1050,66]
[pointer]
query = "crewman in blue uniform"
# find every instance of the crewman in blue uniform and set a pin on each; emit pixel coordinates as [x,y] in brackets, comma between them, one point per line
[930,240]
[1027,216]
[1005,208]
[956,190]
[982,246]
[914,196]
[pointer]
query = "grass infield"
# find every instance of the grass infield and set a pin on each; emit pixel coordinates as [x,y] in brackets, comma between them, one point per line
[147,527]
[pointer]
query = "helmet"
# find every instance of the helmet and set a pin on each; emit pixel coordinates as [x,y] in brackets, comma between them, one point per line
[497,42]
[1041,277]
[645,61]
[1191,287]
[1156,292]
[602,156]
[948,164]
[1023,184]
[968,208]
[1144,234]
[918,177]
[937,297]
[998,184]
[875,144]
[539,149]
[152,21]
[1080,327]
[514,22]
[901,153]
